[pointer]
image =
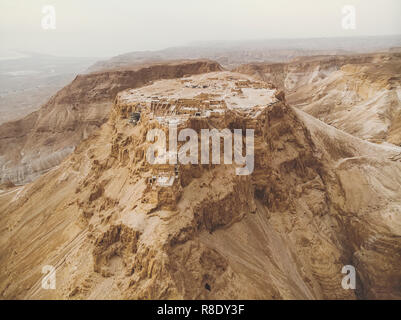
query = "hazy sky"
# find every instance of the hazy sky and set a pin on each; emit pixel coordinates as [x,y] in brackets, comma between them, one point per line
[108,27]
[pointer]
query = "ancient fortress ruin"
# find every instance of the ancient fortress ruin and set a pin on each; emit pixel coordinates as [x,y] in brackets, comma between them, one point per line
[195,102]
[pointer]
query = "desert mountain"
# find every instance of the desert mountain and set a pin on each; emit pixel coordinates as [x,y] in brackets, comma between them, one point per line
[28,80]
[115,226]
[38,142]
[231,54]
[359,94]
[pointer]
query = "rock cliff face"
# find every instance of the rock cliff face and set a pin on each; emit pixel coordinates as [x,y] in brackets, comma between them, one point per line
[318,199]
[357,94]
[302,70]
[40,141]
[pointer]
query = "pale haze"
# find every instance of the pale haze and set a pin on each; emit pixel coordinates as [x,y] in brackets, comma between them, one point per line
[101,28]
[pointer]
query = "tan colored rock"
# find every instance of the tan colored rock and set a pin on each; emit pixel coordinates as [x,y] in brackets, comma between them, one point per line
[41,140]
[317,200]
[359,94]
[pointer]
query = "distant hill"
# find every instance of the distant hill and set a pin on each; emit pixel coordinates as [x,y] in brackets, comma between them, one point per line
[27,80]
[231,54]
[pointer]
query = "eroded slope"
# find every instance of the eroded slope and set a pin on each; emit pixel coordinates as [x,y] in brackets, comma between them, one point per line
[358,94]
[41,140]
[317,200]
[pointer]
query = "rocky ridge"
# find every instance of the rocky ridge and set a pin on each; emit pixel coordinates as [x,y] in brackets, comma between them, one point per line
[40,141]
[318,199]
[359,94]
